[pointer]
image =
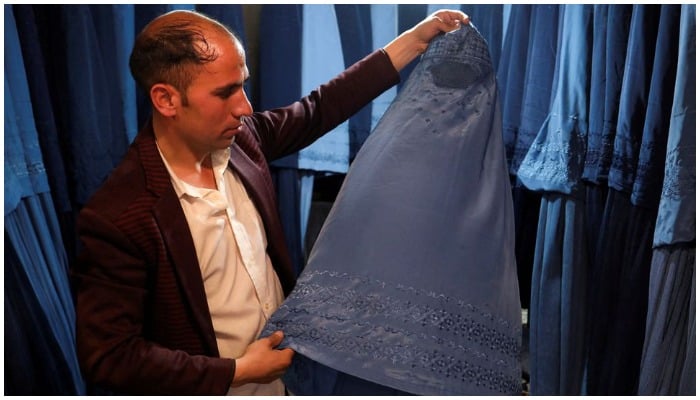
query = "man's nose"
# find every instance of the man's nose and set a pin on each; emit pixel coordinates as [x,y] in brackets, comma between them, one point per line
[241,105]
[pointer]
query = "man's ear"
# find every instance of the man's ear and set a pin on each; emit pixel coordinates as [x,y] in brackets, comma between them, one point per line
[165,98]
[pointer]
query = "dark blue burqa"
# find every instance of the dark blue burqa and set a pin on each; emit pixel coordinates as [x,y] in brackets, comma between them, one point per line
[412,284]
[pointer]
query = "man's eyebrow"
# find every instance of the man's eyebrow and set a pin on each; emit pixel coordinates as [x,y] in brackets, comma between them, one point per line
[231,86]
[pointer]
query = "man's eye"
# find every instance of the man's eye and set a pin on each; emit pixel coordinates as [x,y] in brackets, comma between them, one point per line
[225,94]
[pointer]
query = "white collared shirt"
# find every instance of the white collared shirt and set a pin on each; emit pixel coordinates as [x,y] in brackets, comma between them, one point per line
[241,286]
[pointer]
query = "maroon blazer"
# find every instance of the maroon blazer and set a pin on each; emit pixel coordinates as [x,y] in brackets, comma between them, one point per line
[142,320]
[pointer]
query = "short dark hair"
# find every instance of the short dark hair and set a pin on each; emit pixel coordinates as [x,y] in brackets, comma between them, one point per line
[172,53]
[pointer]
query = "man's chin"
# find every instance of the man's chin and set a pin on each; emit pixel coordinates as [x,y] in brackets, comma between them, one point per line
[228,139]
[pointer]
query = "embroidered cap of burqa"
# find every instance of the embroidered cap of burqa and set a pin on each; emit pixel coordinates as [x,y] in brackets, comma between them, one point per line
[412,281]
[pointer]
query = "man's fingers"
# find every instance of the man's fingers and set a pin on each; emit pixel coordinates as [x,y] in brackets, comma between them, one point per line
[276,338]
[287,352]
[452,18]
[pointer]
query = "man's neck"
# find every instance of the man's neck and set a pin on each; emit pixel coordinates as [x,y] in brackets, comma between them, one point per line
[200,174]
[193,168]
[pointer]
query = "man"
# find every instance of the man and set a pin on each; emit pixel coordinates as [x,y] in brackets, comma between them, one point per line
[184,257]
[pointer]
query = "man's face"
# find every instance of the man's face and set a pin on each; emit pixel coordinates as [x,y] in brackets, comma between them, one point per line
[216,99]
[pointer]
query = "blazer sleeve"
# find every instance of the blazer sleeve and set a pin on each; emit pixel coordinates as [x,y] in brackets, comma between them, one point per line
[283,131]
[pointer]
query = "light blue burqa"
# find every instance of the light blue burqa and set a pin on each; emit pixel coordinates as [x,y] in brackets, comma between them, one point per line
[412,282]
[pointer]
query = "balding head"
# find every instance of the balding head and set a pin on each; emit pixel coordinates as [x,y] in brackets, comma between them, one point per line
[172,47]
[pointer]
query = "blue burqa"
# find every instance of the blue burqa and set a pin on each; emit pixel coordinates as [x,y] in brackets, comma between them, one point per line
[412,282]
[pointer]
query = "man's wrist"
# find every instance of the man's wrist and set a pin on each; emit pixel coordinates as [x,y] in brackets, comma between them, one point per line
[404,49]
[240,377]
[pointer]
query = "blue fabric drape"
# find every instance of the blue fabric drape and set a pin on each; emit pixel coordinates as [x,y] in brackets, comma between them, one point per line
[41,105]
[668,360]
[621,272]
[355,29]
[618,290]
[429,304]
[669,334]
[541,59]
[295,189]
[26,340]
[125,33]
[319,40]
[634,96]
[646,190]
[689,368]
[114,26]
[554,163]
[33,238]
[595,194]
[511,74]
[608,57]
[676,221]
[385,25]
[89,104]
[279,81]
[541,56]
[22,152]
[619,16]
[33,233]
[596,111]
[558,292]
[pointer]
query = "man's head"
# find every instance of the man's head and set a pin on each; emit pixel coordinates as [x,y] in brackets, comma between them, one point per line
[172,48]
[193,69]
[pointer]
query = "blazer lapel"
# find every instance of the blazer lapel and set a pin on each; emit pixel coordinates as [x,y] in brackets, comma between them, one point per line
[260,191]
[177,237]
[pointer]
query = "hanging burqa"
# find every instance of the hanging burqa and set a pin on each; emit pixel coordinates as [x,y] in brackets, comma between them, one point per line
[412,281]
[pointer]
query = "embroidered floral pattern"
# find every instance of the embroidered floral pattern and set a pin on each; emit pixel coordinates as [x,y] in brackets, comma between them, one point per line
[395,324]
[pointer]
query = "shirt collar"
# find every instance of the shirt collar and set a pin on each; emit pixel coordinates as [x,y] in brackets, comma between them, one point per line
[219,161]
